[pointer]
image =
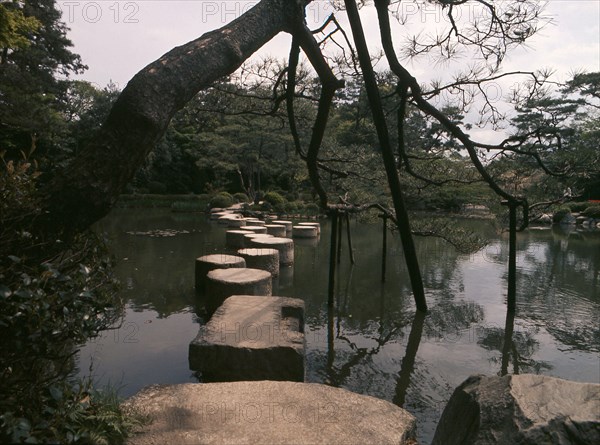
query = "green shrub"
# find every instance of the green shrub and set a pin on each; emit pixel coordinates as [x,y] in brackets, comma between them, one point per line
[265,206]
[54,295]
[241,197]
[222,200]
[578,206]
[560,213]
[292,206]
[592,212]
[275,199]
[312,209]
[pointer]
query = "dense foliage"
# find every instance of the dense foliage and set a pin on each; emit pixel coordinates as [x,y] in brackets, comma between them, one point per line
[54,295]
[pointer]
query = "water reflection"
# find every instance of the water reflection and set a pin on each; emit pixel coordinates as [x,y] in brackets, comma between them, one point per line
[408,362]
[372,342]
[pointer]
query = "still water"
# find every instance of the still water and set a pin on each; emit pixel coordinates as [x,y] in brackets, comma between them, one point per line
[373,343]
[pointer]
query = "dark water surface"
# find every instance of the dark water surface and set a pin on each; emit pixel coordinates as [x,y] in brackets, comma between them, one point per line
[374,343]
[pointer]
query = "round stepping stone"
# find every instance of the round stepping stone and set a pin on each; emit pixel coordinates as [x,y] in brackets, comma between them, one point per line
[276,230]
[235,238]
[284,245]
[223,283]
[264,259]
[255,229]
[304,232]
[206,263]
[255,222]
[218,215]
[249,237]
[313,224]
[288,224]
[226,218]
[239,222]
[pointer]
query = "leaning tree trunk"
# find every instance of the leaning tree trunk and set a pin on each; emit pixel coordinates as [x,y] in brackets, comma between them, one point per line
[86,190]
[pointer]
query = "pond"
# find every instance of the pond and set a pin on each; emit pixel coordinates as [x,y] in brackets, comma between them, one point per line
[373,343]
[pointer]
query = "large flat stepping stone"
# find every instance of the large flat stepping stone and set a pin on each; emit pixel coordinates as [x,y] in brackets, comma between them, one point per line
[223,283]
[267,413]
[284,245]
[264,259]
[521,409]
[206,263]
[251,338]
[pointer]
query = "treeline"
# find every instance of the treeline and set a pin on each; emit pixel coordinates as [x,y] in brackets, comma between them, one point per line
[235,137]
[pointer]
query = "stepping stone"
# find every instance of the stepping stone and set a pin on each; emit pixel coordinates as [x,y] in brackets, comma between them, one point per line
[206,263]
[255,222]
[223,283]
[312,224]
[288,224]
[226,218]
[267,412]
[284,245]
[218,215]
[276,230]
[305,232]
[238,222]
[251,338]
[252,236]
[235,238]
[255,229]
[264,259]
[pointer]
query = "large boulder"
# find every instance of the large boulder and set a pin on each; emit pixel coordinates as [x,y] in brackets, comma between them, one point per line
[267,412]
[521,409]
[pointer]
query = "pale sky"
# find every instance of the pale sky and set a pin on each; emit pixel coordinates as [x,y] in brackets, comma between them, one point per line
[118,38]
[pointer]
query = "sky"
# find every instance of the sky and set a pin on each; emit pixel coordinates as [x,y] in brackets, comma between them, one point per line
[116,39]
